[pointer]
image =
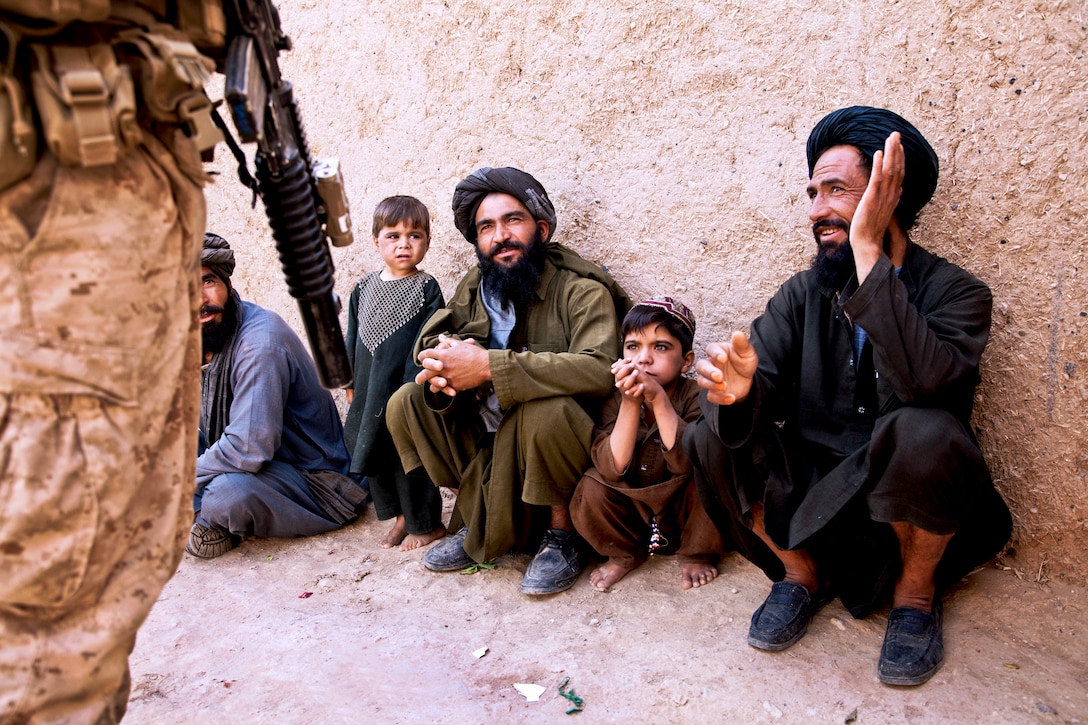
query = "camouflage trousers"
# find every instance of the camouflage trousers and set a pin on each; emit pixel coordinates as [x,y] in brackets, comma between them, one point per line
[99,392]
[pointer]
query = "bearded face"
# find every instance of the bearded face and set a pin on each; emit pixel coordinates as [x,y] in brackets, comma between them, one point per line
[834,261]
[514,283]
[218,324]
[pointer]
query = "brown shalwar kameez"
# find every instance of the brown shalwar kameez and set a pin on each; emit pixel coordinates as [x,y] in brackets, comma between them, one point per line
[612,509]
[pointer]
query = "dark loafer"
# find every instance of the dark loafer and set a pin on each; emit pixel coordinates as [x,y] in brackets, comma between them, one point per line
[913,646]
[556,565]
[783,617]
[449,554]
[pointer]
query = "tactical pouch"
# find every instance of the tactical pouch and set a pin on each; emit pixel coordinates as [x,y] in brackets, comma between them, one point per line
[18,139]
[172,73]
[61,11]
[86,103]
[203,21]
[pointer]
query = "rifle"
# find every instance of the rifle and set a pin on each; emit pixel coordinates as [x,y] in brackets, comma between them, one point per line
[304,203]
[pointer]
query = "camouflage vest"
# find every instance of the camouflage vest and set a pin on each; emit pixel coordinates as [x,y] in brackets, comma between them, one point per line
[81,77]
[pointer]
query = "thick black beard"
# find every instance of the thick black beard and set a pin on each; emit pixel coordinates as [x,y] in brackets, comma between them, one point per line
[214,335]
[514,285]
[833,265]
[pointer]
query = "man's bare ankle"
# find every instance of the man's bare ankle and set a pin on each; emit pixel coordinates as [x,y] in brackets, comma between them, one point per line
[808,581]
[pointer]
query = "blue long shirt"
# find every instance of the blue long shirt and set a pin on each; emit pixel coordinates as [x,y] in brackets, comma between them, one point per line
[279,411]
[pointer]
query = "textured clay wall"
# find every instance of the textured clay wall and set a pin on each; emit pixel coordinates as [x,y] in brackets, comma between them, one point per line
[671,139]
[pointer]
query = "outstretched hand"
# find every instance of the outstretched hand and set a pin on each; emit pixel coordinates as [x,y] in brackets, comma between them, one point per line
[727,371]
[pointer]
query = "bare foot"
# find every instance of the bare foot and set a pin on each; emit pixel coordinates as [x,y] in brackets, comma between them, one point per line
[414,541]
[395,535]
[694,574]
[608,574]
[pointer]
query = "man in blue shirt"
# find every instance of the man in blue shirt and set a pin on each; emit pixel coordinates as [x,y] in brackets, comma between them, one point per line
[272,457]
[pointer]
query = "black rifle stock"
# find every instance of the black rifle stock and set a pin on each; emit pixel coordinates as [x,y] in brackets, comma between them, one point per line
[264,111]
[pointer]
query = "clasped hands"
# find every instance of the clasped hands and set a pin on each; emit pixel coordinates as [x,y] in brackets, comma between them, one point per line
[635,385]
[453,366]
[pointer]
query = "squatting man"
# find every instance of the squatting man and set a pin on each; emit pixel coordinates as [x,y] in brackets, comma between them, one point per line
[836,451]
[514,370]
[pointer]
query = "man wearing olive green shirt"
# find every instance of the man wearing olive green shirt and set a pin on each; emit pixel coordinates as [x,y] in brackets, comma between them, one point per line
[514,369]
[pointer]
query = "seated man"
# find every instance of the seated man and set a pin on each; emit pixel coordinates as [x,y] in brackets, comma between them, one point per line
[836,451]
[498,413]
[272,456]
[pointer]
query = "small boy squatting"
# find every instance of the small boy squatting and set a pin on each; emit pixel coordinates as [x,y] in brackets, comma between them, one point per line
[639,497]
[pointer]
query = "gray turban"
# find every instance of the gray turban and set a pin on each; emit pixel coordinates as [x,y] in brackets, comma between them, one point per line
[471,191]
[867,129]
[217,256]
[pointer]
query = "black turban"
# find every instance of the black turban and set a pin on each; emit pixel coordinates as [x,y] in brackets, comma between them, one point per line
[471,191]
[867,129]
[217,256]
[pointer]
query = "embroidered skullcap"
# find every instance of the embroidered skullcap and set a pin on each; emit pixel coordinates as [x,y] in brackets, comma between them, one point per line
[674,307]
[867,129]
[471,191]
[217,256]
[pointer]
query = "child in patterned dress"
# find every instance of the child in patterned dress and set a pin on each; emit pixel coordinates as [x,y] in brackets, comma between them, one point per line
[387,309]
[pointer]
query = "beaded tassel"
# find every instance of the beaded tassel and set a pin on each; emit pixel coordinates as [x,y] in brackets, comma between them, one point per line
[656,539]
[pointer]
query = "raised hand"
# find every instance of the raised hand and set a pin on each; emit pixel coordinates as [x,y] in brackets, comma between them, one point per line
[877,206]
[727,371]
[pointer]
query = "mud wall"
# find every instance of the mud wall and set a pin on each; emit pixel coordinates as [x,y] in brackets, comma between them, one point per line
[671,139]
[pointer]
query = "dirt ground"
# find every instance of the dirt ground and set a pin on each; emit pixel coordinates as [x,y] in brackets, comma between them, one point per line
[334,629]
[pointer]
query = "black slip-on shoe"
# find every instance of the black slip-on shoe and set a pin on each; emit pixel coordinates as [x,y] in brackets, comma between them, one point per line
[913,646]
[783,617]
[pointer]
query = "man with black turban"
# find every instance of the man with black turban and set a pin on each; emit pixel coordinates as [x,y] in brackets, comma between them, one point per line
[272,457]
[836,451]
[514,369]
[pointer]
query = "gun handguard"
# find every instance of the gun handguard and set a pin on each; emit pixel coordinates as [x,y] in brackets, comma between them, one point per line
[264,110]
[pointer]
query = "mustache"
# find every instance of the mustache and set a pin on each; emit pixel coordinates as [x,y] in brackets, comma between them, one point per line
[206,310]
[837,223]
[503,246]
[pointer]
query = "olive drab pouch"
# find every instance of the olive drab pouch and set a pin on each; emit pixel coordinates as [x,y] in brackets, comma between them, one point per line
[171,74]
[86,103]
[18,139]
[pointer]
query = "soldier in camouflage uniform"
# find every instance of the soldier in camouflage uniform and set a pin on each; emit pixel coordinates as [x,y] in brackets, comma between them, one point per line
[101,219]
